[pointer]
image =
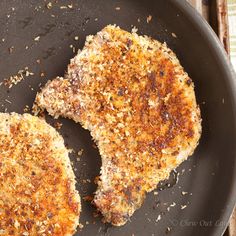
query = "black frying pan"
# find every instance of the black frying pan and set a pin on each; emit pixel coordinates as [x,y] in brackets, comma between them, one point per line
[208,177]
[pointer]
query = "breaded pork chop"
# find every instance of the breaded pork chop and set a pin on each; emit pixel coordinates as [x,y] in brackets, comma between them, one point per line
[37,183]
[135,98]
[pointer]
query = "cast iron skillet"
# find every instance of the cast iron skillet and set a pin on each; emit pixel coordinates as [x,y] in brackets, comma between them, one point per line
[208,176]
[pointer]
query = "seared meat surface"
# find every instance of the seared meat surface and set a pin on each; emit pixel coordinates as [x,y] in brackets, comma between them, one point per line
[137,101]
[37,183]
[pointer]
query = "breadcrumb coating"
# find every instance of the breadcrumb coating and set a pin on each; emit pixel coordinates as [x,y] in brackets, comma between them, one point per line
[38,195]
[139,104]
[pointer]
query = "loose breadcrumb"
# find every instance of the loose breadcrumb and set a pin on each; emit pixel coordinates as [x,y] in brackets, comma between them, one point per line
[73,48]
[37,38]
[58,125]
[49,5]
[174,35]
[26,109]
[11,49]
[149,18]
[158,218]
[80,152]
[15,79]
[134,29]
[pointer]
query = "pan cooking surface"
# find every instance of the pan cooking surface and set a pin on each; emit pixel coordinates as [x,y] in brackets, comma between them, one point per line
[43,36]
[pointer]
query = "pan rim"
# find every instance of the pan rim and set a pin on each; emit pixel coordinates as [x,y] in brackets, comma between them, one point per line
[230,78]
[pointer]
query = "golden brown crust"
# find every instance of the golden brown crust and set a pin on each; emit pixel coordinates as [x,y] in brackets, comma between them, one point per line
[133,95]
[38,195]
